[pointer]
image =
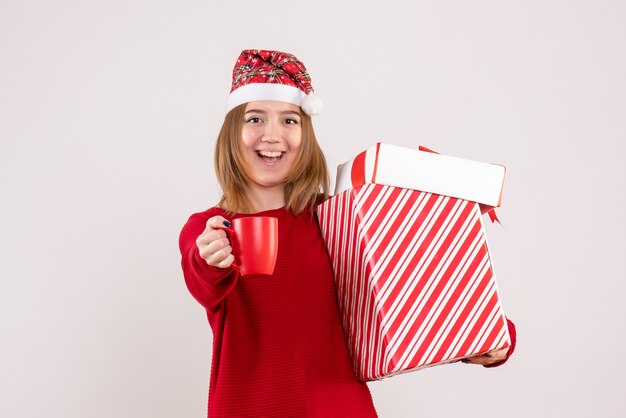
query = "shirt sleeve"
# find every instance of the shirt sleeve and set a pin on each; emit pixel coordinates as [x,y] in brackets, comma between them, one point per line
[207,284]
[513,334]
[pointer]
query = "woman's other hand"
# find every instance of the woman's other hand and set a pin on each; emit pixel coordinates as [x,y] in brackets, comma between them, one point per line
[488,358]
[213,244]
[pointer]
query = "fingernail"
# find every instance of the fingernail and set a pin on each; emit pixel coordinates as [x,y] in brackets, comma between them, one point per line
[226,224]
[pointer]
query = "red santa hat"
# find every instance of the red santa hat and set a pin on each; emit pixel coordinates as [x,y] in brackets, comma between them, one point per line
[272,75]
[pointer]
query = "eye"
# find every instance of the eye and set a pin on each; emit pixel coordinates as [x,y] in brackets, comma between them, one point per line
[290,121]
[253,119]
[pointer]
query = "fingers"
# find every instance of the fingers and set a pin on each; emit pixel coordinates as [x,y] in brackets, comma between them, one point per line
[214,248]
[213,244]
[209,235]
[500,354]
[224,263]
[488,358]
[217,222]
[481,360]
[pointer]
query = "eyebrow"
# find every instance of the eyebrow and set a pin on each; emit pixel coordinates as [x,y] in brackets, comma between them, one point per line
[284,112]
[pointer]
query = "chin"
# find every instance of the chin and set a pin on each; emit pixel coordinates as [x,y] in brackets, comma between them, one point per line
[271,184]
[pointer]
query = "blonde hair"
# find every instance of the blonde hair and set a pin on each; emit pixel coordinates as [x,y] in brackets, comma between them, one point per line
[306,185]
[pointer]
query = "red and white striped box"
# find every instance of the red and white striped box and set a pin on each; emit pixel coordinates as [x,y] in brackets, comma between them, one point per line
[413,273]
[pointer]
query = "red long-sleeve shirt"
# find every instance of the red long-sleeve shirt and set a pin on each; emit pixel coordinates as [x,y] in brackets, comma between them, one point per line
[278,344]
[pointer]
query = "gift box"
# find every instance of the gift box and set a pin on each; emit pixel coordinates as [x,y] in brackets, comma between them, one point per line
[413,272]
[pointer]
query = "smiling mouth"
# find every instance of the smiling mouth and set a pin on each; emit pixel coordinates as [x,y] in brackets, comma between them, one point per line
[270,155]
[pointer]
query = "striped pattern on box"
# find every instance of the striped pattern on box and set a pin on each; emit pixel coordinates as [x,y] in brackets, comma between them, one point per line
[414,279]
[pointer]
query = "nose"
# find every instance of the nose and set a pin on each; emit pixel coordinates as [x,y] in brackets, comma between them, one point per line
[271,132]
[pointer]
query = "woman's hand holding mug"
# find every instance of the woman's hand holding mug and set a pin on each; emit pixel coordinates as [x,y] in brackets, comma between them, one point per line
[214,245]
[254,239]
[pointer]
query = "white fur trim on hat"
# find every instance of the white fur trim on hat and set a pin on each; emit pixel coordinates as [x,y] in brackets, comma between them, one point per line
[265,91]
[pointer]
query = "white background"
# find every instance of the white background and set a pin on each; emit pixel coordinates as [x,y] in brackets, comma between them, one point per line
[108,115]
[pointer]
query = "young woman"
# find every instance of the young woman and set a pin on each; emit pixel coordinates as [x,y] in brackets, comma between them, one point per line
[278,344]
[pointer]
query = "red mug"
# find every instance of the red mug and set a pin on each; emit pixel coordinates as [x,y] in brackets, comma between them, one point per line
[254,240]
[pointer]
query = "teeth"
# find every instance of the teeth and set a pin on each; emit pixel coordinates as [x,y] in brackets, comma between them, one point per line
[270,154]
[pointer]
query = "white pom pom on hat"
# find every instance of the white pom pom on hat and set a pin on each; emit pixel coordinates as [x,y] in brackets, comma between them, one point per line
[272,75]
[312,104]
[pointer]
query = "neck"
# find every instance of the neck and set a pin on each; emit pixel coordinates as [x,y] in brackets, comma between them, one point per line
[266,198]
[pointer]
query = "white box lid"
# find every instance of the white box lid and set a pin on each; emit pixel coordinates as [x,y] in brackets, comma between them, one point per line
[409,168]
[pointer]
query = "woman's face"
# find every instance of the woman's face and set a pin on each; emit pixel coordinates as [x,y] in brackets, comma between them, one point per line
[271,136]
